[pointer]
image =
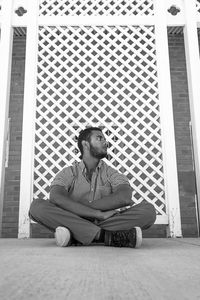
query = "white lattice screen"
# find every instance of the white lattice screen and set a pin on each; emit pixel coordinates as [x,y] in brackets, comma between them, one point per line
[101,76]
[96,7]
[198,5]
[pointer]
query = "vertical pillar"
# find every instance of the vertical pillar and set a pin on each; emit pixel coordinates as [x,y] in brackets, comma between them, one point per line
[167,122]
[193,73]
[5,75]
[28,129]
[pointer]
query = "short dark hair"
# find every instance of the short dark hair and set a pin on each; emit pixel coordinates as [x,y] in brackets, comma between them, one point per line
[85,136]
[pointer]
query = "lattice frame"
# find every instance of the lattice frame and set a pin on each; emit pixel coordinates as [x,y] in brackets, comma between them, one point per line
[95,8]
[100,76]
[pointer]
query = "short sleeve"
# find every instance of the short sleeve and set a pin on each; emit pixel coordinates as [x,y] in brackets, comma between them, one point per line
[63,178]
[115,178]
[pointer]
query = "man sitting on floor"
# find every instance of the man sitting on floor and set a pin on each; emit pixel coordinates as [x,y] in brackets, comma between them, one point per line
[85,198]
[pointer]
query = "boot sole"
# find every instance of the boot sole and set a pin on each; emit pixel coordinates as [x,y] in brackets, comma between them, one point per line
[138,237]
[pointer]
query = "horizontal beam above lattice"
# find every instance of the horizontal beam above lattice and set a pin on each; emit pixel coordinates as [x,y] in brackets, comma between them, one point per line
[102,12]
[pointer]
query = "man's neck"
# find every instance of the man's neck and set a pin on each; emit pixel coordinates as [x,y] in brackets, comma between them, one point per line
[91,163]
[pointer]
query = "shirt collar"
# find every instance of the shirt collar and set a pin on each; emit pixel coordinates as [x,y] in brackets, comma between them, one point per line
[83,168]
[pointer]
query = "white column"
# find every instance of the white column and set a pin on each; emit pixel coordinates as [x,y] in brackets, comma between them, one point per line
[193,73]
[5,72]
[27,158]
[167,122]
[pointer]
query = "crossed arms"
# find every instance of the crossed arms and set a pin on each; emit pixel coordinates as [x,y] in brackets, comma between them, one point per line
[102,210]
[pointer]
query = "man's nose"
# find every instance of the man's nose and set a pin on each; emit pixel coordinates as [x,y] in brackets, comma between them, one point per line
[106,143]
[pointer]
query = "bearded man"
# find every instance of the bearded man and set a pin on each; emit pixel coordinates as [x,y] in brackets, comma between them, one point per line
[92,202]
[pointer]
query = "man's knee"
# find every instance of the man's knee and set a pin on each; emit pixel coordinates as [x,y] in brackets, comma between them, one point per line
[36,209]
[150,214]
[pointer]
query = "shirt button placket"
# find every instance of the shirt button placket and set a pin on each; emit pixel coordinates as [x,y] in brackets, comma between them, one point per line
[92,184]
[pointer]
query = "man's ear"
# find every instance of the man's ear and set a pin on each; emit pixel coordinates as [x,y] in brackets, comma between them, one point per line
[85,144]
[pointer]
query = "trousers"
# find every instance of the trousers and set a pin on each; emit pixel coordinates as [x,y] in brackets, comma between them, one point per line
[84,230]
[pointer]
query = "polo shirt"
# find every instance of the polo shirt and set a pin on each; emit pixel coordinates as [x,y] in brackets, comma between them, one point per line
[105,180]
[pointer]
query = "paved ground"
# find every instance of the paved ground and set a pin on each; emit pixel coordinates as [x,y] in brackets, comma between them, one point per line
[161,269]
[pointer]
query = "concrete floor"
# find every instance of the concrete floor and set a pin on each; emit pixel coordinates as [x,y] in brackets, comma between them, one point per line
[161,269]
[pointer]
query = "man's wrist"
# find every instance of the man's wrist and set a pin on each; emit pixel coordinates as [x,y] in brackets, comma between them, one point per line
[99,214]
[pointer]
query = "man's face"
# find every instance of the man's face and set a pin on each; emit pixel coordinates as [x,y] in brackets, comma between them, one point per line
[98,145]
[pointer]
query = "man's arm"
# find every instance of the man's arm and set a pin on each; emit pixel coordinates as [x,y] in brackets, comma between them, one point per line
[60,197]
[120,198]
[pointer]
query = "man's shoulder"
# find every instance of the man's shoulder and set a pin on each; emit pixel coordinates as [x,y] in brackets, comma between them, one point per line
[107,166]
[69,168]
[64,170]
[73,164]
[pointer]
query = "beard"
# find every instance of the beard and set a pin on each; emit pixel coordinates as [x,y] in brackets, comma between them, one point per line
[96,154]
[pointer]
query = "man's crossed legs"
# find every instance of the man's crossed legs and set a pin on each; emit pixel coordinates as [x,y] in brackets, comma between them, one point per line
[83,230]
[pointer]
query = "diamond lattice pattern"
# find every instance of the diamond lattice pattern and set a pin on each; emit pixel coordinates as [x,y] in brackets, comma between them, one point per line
[95,8]
[100,76]
[198,5]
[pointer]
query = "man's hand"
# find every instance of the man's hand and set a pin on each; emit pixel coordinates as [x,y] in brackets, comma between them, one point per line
[104,215]
[85,202]
[120,198]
